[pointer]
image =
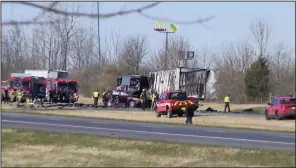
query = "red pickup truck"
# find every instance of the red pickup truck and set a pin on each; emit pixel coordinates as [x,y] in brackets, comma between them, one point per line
[174,103]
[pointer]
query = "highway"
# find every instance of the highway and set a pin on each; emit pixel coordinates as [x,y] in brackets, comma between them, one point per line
[158,132]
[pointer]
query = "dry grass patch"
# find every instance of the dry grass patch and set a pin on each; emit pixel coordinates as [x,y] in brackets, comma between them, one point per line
[24,148]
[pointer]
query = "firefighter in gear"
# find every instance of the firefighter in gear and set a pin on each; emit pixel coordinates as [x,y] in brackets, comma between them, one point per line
[105,98]
[143,99]
[153,99]
[59,95]
[20,95]
[96,97]
[226,103]
[6,95]
[13,96]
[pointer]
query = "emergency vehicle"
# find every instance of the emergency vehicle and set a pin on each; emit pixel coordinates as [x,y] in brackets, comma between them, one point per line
[74,87]
[57,79]
[174,103]
[28,83]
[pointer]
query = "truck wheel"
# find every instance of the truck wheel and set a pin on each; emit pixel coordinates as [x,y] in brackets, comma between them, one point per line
[131,104]
[180,114]
[169,113]
[266,115]
[157,114]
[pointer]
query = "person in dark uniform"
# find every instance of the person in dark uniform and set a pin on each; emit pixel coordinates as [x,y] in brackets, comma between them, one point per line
[64,95]
[105,98]
[96,98]
[50,95]
[59,95]
[143,99]
[189,115]
[5,96]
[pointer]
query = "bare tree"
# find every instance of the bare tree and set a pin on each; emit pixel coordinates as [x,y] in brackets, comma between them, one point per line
[230,67]
[175,44]
[112,45]
[261,33]
[282,65]
[133,50]
[204,58]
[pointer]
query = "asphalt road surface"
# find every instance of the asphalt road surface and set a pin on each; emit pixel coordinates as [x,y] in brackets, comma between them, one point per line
[159,132]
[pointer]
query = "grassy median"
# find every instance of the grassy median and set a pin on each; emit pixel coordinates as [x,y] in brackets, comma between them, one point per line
[25,148]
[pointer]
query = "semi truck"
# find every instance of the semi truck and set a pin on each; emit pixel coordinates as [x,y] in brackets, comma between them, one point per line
[194,81]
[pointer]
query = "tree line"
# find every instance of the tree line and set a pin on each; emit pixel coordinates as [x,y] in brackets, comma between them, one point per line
[248,70]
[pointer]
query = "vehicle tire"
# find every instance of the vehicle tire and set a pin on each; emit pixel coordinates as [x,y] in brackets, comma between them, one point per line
[266,115]
[131,104]
[277,117]
[169,113]
[180,114]
[157,114]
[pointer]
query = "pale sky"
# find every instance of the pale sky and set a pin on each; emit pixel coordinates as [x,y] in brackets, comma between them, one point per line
[231,22]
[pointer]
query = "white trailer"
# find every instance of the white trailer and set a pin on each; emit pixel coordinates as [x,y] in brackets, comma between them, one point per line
[194,81]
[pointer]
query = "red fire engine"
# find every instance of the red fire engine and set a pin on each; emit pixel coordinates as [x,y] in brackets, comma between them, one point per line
[29,84]
[74,87]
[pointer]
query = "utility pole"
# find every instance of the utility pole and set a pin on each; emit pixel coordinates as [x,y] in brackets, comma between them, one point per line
[99,38]
[160,29]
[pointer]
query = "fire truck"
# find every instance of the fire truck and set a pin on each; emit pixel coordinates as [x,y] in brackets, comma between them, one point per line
[74,87]
[31,85]
[57,80]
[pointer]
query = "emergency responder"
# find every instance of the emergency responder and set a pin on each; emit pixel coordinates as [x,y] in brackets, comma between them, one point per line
[54,95]
[105,98]
[51,95]
[70,95]
[189,115]
[20,95]
[5,95]
[59,95]
[64,95]
[13,96]
[96,97]
[153,99]
[226,103]
[143,99]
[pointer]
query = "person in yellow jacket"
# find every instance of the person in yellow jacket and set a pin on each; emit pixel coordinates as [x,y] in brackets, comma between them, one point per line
[226,103]
[96,95]
[20,95]
[153,99]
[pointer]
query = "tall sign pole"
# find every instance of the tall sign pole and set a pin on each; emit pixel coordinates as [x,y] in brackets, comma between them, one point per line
[160,27]
[99,38]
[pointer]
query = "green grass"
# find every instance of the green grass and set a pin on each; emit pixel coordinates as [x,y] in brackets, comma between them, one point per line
[26,148]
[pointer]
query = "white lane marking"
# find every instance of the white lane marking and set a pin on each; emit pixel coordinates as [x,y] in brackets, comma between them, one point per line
[150,126]
[15,116]
[287,136]
[148,132]
[54,119]
[98,122]
[214,131]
